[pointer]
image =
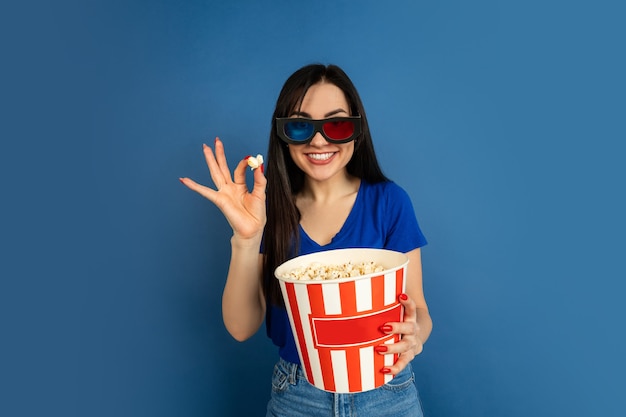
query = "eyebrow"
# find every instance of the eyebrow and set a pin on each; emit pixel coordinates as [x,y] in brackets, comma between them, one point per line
[329,114]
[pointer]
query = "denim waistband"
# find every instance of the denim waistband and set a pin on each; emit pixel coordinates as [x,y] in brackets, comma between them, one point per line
[292,370]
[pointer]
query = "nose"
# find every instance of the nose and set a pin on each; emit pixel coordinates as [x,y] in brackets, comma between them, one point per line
[318,140]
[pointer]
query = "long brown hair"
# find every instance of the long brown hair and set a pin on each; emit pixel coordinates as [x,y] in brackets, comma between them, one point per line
[285,179]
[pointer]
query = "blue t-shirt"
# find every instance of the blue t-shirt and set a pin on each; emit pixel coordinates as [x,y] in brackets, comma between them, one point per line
[383,218]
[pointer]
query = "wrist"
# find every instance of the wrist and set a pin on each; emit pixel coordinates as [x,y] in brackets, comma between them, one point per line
[246,242]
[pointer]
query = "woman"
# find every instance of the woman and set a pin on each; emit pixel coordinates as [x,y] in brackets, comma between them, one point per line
[325,190]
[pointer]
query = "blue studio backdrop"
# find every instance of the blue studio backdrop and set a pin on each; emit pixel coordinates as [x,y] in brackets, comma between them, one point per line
[498,118]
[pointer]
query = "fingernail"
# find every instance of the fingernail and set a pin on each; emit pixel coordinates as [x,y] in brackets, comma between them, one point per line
[403,297]
[262,169]
[204,146]
[181,181]
[245,158]
[386,328]
[385,370]
[381,349]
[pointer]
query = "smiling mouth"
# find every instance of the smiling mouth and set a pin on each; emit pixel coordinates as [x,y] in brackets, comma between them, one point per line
[320,156]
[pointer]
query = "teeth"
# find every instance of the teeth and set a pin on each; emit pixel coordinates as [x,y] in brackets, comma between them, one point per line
[320,156]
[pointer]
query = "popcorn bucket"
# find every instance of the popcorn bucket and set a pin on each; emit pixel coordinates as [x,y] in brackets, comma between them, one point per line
[336,322]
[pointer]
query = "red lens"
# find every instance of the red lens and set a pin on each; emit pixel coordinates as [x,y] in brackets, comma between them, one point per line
[339,130]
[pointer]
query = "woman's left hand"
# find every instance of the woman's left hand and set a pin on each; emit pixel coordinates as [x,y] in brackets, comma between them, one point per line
[410,344]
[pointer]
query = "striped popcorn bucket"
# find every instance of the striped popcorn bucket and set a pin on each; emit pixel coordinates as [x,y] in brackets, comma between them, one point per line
[336,322]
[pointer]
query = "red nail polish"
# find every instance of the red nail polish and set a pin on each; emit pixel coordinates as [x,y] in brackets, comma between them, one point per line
[386,328]
[385,370]
[403,297]
[181,181]
[245,158]
[262,169]
[381,349]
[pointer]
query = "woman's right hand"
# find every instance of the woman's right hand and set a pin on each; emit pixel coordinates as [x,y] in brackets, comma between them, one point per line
[244,210]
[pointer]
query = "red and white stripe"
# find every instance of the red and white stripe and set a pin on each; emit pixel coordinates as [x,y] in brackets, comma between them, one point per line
[336,329]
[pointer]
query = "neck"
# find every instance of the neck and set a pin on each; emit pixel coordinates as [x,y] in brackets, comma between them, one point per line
[331,189]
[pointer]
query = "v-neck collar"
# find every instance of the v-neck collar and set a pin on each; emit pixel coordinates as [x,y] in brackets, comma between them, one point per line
[345,226]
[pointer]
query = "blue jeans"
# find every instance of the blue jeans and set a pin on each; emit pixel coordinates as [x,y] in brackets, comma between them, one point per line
[294,396]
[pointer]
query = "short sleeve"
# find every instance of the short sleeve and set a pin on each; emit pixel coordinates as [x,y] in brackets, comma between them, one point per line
[403,231]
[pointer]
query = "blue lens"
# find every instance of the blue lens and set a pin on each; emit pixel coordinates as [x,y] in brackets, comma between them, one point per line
[299,131]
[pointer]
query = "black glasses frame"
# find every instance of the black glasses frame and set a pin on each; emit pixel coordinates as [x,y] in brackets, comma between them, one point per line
[317,127]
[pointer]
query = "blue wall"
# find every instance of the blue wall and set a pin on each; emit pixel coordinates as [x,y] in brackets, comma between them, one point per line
[500,120]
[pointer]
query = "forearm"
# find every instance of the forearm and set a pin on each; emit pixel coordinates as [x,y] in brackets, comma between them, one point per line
[243,304]
[424,323]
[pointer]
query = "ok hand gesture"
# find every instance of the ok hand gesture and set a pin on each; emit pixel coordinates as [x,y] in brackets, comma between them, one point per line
[244,210]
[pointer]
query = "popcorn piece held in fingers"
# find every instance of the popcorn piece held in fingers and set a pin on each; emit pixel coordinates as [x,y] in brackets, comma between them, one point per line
[255,162]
